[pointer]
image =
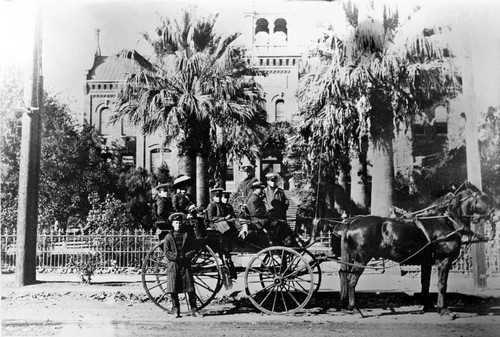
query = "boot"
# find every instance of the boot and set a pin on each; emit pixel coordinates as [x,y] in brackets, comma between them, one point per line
[176,307]
[196,313]
[232,268]
[192,304]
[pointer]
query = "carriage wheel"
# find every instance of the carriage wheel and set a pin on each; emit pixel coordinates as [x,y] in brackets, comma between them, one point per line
[313,262]
[205,267]
[279,280]
[315,266]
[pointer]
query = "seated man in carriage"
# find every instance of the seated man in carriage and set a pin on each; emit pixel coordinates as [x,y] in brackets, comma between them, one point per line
[278,230]
[276,201]
[163,209]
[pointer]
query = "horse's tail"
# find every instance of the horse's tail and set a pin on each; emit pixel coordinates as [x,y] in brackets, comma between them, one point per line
[345,268]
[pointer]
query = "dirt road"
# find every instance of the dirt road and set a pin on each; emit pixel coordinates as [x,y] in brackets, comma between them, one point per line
[121,314]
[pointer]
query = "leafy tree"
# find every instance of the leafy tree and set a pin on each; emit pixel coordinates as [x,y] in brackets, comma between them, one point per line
[395,69]
[71,166]
[197,92]
[11,93]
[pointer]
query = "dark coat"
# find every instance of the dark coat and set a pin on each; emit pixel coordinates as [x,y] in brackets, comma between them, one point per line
[181,203]
[228,210]
[216,212]
[246,188]
[164,208]
[256,207]
[276,202]
[179,274]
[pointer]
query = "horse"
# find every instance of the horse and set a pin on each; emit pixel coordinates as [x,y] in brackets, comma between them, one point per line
[424,238]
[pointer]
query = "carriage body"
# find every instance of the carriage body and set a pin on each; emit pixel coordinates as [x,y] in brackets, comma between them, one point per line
[277,279]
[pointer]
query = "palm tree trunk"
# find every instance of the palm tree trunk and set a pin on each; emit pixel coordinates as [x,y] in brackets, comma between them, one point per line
[201,181]
[358,182]
[382,133]
[382,177]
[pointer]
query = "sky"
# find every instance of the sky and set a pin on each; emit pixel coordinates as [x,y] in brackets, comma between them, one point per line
[69,39]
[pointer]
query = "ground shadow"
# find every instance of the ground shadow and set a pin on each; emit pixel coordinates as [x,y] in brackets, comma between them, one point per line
[393,303]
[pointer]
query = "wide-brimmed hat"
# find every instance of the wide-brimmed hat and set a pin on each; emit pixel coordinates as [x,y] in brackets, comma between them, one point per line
[177,217]
[272,175]
[163,186]
[258,184]
[182,179]
[216,190]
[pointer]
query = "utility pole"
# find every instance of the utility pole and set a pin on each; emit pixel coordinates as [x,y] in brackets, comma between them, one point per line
[29,166]
[478,250]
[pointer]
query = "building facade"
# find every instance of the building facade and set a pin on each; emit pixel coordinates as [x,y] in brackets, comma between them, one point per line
[271,48]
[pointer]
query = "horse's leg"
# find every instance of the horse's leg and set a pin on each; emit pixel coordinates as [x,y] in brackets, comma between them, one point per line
[353,279]
[444,266]
[425,281]
[344,272]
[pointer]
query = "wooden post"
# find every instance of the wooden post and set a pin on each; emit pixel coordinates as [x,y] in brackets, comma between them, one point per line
[29,167]
[478,250]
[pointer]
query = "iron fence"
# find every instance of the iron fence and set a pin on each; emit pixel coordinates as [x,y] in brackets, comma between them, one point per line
[123,251]
[115,251]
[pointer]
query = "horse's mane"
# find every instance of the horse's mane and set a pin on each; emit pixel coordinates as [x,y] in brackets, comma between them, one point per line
[451,202]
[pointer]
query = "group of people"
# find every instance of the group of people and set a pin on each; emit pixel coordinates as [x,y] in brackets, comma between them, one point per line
[266,207]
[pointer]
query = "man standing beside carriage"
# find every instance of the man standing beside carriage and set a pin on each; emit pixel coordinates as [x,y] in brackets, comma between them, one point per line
[180,247]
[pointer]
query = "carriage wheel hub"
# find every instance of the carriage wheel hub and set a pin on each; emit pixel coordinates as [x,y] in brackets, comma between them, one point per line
[278,280]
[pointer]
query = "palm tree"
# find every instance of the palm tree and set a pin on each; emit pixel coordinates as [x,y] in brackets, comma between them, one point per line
[198,87]
[397,69]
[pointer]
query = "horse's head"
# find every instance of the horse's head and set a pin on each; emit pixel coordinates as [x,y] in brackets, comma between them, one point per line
[471,202]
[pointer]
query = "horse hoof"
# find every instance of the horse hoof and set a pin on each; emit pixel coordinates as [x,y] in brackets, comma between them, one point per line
[446,312]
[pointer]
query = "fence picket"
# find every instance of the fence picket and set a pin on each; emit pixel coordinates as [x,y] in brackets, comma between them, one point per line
[125,250]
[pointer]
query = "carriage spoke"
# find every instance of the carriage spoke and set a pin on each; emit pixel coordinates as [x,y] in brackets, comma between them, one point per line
[203,284]
[263,264]
[272,262]
[159,284]
[303,290]
[156,274]
[293,298]
[266,288]
[157,260]
[284,301]
[274,301]
[268,293]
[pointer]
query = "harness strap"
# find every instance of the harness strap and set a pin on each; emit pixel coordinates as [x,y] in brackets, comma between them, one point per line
[420,225]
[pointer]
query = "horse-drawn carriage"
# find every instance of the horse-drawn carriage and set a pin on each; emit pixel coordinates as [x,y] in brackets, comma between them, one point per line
[282,280]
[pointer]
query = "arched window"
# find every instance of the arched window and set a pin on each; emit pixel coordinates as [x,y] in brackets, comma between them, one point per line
[261,25]
[280,26]
[261,31]
[280,31]
[105,126]
[279,110]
